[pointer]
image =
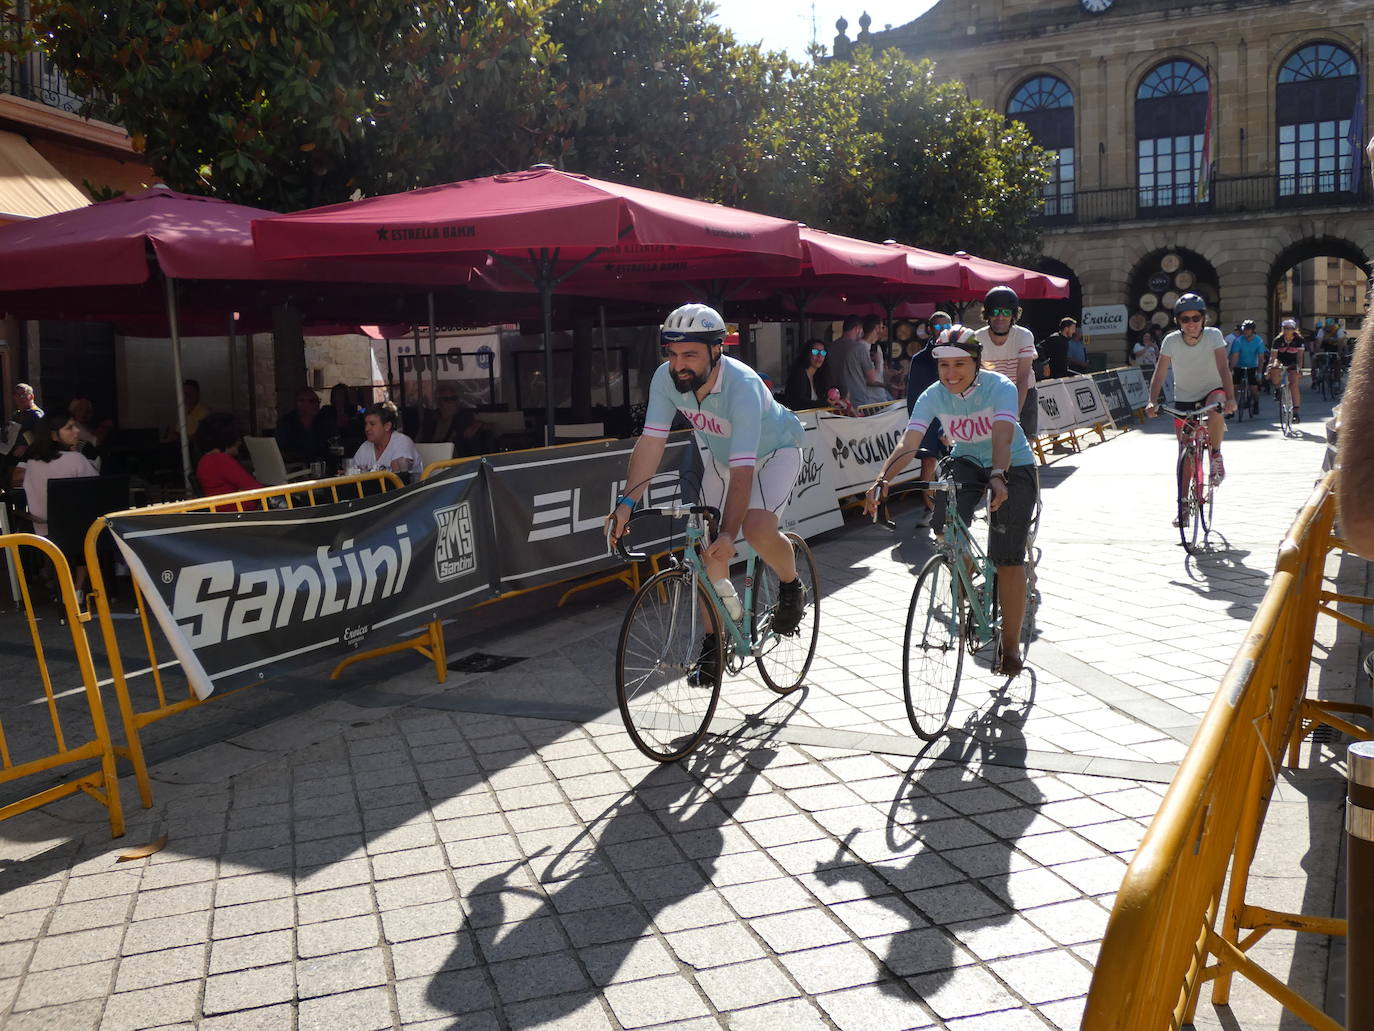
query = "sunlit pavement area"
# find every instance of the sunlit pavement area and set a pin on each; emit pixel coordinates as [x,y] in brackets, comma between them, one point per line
[493,852]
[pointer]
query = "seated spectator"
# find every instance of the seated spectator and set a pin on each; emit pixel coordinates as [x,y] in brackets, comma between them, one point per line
[897,371]
[219,470]
[807,380]
[53,457]
[81,409]
[340,420]
[455,423]
[386,446]
[303,433]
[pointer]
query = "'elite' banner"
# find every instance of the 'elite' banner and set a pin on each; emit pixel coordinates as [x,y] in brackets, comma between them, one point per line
[244,594]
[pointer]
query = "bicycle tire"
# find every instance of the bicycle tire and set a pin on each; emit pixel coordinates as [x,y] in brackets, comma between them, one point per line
[1285,410]
[1027,619]
[783,661]
[1198,491]
[1185,495]
[660,640]
[933,649]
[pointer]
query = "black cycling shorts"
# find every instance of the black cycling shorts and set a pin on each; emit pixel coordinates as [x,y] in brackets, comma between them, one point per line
[1288,359]
[1240,377]
[1010,523]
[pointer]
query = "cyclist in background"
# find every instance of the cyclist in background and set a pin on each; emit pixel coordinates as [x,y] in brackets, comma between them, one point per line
[1288,353]
[1247,358]
[1197,356]
[1010,350]
[754,456]
[977,408]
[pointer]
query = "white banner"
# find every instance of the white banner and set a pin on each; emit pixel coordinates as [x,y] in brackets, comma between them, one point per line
[1056,407]
[1088,407]
[812,509]
[1104,318]
[1133,382]
[858,448]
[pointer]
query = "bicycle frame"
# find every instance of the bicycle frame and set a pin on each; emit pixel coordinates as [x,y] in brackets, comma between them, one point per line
[957,543]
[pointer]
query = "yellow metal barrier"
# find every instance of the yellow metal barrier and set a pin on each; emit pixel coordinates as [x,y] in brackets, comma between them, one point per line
[307,494]
[1177,923]
[100,783]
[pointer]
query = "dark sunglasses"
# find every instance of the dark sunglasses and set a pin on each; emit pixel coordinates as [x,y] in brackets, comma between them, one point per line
[818,352]
[1004,313]
[1190,318]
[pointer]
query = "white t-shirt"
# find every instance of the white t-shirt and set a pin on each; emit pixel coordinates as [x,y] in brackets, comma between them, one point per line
[1195,368]
[1005,358]
[67,466]
[400,446]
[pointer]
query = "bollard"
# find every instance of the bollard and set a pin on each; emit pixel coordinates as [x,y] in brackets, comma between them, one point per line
[1359,888]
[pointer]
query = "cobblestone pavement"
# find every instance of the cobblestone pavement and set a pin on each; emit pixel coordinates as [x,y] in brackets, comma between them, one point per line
[493,853]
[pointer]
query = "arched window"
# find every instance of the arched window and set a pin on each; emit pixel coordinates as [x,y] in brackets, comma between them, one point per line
[1045,104]
[1170,123]
[1315,99]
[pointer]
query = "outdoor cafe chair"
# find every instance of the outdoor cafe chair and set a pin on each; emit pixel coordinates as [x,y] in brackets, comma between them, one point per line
[268,465]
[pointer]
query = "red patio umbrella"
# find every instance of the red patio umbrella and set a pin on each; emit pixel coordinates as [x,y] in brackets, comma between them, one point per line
[553,229]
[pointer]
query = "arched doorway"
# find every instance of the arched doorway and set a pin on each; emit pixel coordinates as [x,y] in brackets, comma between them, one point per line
[1042,317]
[1319,279]
[1156,284]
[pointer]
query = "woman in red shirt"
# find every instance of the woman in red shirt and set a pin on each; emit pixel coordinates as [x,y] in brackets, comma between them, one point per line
[219,470]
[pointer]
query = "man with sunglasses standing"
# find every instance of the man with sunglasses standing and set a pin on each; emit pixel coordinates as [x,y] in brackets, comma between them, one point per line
[1197,354]
[1010,350]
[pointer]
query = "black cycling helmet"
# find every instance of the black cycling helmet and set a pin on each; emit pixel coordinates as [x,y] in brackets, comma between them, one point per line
[1189,302]
[1247,324]
[1001,297]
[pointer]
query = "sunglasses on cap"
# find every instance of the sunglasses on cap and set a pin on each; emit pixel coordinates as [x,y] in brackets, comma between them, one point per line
[1190,318]
[819,352]
[1004,313]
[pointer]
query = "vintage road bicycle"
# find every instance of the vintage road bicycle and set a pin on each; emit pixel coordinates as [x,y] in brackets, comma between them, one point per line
[954,610]
[1193,475]
[665,712]
[1285,399]
[1328,374]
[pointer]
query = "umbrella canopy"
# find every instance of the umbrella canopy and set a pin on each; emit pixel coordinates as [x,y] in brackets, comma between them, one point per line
[982,274]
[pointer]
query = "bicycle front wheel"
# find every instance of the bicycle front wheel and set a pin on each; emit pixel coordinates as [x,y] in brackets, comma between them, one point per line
[1285,410]
[784,660]
[664,700]
[1187,497]
[933,652]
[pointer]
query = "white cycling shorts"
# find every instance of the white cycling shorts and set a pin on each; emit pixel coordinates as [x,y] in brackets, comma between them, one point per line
[774,477]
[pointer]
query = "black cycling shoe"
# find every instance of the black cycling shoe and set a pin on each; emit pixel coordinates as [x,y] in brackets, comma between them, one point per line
[791,608]
[706,672]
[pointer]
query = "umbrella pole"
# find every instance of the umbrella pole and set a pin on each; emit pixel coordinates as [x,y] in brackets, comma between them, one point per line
[546,301]
[389,392]
[176,371]
[252,385]
[433,359]
[605,361]
[233,362]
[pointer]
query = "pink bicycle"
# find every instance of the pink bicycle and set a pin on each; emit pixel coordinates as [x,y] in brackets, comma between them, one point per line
[1194,476]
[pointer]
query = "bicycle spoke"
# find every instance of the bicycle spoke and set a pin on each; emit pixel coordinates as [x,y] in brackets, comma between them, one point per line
[783,661]
[933,653]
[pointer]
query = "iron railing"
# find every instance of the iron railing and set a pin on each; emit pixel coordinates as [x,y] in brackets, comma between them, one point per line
[1227,195]
[33,76]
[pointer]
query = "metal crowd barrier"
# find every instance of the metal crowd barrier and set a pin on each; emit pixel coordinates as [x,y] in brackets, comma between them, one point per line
[101,783]
[302,494]
[1177,922]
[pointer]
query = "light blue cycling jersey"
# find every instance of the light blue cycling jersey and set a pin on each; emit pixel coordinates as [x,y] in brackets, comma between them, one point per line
[1250,351]
[739,420]
[967,419]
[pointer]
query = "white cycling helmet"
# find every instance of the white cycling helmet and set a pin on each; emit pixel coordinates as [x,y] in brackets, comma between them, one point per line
[693,322]
[958,342]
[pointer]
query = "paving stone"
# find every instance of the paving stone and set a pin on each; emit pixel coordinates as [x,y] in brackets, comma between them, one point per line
[253,918]
[628,961]
[792,1014]
[365,1010]
[551,974]
[658,1001]
[522,938]
[962,992]
[356,932]
[76,1016]
[261,986]
[422,957]
[760,898]
[101,885]
[833,967]
[885,915]
[746,984]
[343,874]
[82,916]
[151,1007]
[251,950]
[340,972]
[612,923]
[66,984]
[803,929]
[151,969]
[426,859]
[886,1007]
[166,933]
[253,887]
[1045,978]
[445,994]
[188,898]
[565,1013]
[64,949]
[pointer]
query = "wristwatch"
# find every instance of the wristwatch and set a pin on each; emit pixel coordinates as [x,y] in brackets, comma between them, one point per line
[1000,473]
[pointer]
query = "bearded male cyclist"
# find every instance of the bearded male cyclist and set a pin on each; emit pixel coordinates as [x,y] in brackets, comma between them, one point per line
[977,408]
[754,457]
[1197,354]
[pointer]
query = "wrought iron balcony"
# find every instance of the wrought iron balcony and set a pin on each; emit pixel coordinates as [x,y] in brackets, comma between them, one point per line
[33,76]
[1228,195]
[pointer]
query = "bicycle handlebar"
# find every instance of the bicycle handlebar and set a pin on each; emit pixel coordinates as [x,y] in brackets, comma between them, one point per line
[711,513]
[1214,406]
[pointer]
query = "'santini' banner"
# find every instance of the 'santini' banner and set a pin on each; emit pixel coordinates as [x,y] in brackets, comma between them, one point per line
[237,605]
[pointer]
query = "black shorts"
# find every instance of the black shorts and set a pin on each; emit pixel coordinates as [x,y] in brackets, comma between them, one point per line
[1010,523]
[1240,377]
[1287,359]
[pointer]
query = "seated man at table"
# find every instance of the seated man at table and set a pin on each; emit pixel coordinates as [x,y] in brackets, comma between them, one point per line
[302,433]
[386,446]
[457,423]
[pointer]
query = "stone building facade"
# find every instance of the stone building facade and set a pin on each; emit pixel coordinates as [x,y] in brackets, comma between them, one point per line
[1202,145]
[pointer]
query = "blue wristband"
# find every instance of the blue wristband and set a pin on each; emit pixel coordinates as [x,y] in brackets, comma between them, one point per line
[627,501]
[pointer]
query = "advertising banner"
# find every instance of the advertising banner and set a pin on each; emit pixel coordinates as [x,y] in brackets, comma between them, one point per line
[1105,318]
[857,448]
[1133,383]
[240,595]
[1088,408]
[549,507]
[812,509]
[1113,396]
[1057,410]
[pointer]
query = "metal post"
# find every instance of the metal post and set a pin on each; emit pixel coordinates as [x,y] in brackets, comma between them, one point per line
[1359,888]
[433,358]
[390,393]
[252,386]
[176,371]
[233,362]
[546,301]
[606,362]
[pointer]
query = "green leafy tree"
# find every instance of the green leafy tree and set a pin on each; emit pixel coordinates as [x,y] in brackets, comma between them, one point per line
[288,103]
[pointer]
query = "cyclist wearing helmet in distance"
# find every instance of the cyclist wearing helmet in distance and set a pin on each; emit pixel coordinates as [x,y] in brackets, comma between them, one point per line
[1197,354]
[977,408]
[1247,357]
[1288,352]
[754,455]
[1010,350]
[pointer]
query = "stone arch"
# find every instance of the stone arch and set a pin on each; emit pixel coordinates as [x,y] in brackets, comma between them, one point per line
[1158,278]
[1042,317]
[1317,243]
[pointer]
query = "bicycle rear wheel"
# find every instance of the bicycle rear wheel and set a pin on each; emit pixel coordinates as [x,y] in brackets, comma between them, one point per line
[932,652]
[783,661]
[1187,499]
[660,642]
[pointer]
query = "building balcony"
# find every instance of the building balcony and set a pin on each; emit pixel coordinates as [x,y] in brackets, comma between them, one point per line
[1228,195]
[33,77]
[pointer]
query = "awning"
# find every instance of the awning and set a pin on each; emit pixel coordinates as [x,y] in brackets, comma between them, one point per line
[29,186]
